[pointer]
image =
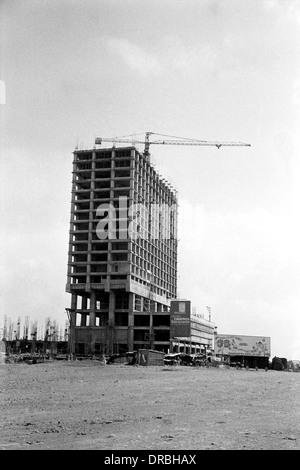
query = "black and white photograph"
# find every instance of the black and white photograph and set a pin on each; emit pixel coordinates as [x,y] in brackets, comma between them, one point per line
[150,227]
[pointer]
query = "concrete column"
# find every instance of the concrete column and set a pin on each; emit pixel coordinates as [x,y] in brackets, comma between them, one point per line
[111,195]
[84,303]
[74,303]
[70,254]
[84,300]
[72,332]
[92,323]
[92,309]
[112,182]
[89,255]
[111,323]
[130,321]
[73,314]
[151,332]
[111,307]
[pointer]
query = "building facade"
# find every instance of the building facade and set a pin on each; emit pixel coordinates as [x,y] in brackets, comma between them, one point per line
[122,262]
[189,332]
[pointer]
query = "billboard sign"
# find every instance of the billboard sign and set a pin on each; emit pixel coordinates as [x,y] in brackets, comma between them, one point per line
[180,318]
[231,345]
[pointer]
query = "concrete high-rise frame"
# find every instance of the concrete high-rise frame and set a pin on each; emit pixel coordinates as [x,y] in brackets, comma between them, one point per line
[121,281]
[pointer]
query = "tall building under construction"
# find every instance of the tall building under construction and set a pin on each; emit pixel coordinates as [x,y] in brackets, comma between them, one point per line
[122,265]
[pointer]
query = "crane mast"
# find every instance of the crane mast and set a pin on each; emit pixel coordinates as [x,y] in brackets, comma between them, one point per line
[169,140]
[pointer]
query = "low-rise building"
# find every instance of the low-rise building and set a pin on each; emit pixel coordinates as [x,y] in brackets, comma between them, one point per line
[249,351]
[189,332]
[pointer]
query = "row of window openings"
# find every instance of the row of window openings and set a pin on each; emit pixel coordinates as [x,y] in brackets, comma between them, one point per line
[138,198]
[156,262]
[149,219]
[121,301]
[83,236]
[82,192]
[146,248]
[118,192]
[150,261]
[79,276]
[139,247]
[160,278]
[158,266]
[153,211]
[118,173]
[169,257]
[162,290]
[83,204]
[141,180]
[115,246]
[156,247]
[80,243]
[147,173]
[141,304]
[97,269]
[122,225]
[158,269]
[103,184]
[100,156]
[87,156]
[82,156]
[144,197]
[168,292]
[105,164]
[171,292]
[121,319]
[152,184]
[121,217]
[78,279]
[154,192]
[154,259]
[155,221]
[101,192]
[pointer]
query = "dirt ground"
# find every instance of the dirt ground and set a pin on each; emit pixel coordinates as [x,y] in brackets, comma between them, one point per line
[86,405]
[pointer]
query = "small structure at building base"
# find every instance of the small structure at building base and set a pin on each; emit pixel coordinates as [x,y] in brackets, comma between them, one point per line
[150,357]
[146,357]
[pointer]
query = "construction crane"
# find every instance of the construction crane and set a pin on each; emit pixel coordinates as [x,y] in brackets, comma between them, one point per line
[170,140]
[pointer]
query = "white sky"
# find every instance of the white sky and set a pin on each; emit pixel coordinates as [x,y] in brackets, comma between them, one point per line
[212,70]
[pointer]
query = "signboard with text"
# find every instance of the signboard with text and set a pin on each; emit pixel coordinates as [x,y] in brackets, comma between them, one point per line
[232,345]
[180,318]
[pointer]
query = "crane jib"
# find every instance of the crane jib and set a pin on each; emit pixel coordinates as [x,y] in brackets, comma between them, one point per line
[99,141]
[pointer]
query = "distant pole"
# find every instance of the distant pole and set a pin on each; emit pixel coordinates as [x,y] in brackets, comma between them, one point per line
[209,313]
